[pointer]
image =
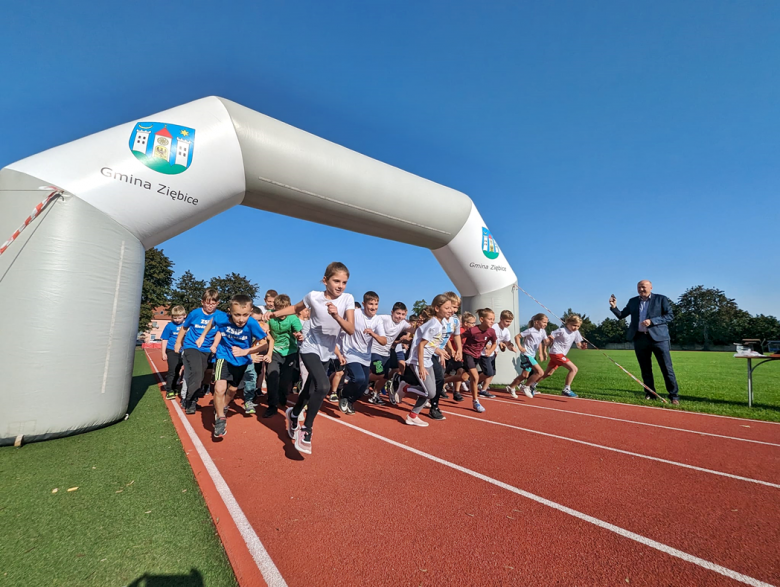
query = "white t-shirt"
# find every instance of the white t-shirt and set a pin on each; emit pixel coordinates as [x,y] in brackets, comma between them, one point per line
[356,348]
[451,327]
[392,330]
[324,330]
[432,331]
[563,338]
[502,335]
[532,338]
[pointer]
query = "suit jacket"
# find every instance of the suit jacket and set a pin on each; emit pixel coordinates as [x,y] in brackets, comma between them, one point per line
[659,311]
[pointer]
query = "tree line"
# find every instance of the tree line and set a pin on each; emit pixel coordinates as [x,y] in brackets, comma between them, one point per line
[159,288]
[702,315]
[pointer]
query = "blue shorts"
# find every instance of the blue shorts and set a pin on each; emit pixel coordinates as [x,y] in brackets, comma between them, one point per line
[527,363]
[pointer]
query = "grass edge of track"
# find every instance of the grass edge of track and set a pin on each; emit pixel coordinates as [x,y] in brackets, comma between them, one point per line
[137,515]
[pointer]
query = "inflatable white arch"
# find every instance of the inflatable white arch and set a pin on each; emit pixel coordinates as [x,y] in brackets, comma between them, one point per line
[70,285]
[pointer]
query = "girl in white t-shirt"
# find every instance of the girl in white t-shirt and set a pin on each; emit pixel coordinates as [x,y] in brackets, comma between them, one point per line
[559,343]
[528,342]
[331,312]
[419,377]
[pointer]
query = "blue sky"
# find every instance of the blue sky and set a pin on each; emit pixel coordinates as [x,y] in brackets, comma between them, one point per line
[603,142]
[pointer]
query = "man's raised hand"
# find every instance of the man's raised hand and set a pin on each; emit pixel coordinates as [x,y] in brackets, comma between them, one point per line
[613,301]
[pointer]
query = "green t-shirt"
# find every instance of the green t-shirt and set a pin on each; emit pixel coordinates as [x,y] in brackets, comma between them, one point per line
[282,331]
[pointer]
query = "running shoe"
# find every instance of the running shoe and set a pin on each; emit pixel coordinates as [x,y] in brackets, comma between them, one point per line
[220,427]
[568,393]
[511,391]
[250,408]
[415,420]
[436,414]
[292,423]
[486,393]
[478,407]
[427,404]
[270,412]
[344,405]
[303,441]
[527,391]
[191,407]
[170,394]
[351,408]
[334,398]
[376,400]
[457,396]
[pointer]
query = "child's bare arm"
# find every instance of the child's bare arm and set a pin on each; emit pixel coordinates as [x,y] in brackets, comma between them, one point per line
[179,339]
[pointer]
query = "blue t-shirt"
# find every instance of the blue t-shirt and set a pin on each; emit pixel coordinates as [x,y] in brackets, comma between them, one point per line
[170,333]
[196,321]
[240,336]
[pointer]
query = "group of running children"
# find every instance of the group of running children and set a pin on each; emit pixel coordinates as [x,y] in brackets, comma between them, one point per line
[342,351]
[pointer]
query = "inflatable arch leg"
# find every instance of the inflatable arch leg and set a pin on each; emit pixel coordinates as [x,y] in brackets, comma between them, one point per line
[71,283]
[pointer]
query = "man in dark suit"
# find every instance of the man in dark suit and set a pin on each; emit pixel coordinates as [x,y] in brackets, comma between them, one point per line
[650,313]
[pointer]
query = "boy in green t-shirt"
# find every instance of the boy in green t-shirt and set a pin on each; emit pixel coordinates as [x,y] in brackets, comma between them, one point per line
[283,337]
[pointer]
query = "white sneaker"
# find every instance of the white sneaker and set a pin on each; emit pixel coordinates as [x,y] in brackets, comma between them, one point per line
[401,394]
[427,404]
[465,386]
[511,391]
[415,421]
[527,391]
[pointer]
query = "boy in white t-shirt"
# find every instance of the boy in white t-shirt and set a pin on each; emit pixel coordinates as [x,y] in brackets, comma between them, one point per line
[357,350]
[559,343]
[383,357]
[528,342]
[332,311]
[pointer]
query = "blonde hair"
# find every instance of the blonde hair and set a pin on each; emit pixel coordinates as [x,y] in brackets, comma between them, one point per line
[453,297]
[178,311]
[281,301]
[574,319]
[507,315]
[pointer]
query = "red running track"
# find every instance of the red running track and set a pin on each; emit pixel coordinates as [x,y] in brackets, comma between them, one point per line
[363,510]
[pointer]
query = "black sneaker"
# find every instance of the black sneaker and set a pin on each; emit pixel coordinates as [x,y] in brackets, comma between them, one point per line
[376,400]
[220,427]
[457,396]
[191,407]
[170,395]
[292,423]
[350,408]
[344,405]
[436,414]
[445,395]
[270,412]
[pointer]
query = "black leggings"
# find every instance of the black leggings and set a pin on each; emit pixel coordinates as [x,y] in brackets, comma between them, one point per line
[438,370]
[313,398]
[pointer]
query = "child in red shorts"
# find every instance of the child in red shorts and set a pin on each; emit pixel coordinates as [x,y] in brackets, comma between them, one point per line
[559,343]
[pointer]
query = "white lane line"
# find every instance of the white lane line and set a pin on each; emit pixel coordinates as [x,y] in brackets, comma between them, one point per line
[527,405]
[567,510]
[625,452]
[669,411]
[260,555]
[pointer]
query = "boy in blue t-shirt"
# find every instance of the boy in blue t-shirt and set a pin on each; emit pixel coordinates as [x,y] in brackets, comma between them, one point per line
[238,336]
[169,335]
[196,356]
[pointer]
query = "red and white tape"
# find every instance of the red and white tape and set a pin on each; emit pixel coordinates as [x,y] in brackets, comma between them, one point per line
[37,210]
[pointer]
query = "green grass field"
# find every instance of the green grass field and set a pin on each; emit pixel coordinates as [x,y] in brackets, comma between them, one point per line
[137,518]
[715,383]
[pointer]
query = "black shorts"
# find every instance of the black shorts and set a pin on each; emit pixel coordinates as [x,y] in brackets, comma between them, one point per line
[485,364]
[225,371]
[335,366]
[453,366]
